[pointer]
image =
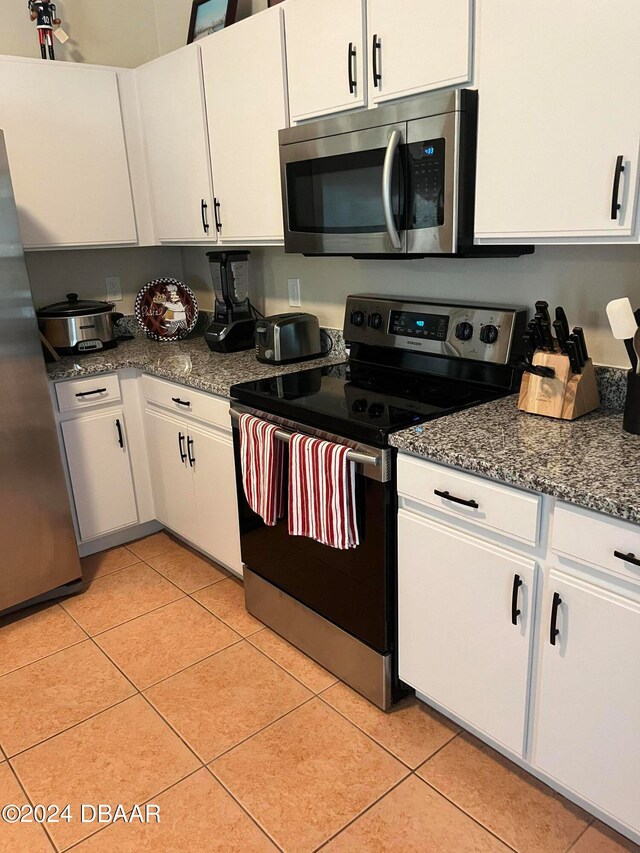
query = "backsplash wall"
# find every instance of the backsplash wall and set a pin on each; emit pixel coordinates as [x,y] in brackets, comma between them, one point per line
[581,278]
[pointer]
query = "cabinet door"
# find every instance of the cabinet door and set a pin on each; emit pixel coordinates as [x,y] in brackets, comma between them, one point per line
[587,732]
[99,467]
[245,92]
[171,477]
[554,116]
[211,453]
[457,641]
[171,98]
[417,46]
[64,134]
[325,56]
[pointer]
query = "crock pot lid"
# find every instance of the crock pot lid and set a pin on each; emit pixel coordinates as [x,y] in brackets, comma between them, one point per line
[75,307]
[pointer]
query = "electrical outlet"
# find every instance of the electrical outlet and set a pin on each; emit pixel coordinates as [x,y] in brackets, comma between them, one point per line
[294,292]
[114,291]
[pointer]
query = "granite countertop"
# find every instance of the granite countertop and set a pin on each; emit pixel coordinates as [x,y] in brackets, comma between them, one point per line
[590,462]
[188,362]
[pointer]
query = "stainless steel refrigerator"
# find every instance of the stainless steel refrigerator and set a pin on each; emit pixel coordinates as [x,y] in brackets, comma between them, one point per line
[38,552]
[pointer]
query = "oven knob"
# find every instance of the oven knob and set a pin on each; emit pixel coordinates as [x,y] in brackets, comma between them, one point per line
[359,406]
[357,318]
[464,331]
[488,334]
[375,321]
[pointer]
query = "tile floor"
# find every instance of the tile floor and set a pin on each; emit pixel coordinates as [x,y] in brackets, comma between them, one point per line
[156,686]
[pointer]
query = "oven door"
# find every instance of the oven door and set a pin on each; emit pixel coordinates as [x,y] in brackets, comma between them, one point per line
[353,589]
[345,194]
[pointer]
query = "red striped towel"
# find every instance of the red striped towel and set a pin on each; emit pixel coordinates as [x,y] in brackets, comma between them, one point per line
[262,468]
[322,492]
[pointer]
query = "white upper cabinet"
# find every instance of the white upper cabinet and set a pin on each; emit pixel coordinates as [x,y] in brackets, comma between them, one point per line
[65,139]
[171,97]
[244,77]
[559,91]
[326,65]
[417,46]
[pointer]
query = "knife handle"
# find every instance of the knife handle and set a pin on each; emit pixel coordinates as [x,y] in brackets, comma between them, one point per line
[536,334]
[562,338]
[578,334]
[542,308]
[562,317]
[573,357]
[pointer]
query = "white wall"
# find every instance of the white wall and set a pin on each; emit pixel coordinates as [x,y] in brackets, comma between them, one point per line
[581,278]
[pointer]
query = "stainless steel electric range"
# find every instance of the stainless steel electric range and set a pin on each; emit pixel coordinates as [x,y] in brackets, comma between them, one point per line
[410,362]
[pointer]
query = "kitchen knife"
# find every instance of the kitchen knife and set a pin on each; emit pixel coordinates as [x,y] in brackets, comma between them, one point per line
[573,357]
[529,347]
[547,337]
[575,340]
[579,334]
[562,317]
[562,338]
[542,308]
[536,334]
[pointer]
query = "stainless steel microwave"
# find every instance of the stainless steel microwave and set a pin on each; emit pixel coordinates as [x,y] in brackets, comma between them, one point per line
[394,181]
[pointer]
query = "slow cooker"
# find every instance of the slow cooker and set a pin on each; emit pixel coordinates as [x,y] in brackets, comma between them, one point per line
[79,325]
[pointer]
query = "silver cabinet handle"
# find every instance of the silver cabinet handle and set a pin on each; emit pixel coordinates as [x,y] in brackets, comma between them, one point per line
[387,177]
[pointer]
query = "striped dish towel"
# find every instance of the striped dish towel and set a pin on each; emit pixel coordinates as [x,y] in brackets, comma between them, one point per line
[262,468]
[322,492]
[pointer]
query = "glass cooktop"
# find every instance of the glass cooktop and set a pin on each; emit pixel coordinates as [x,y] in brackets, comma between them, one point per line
[358,401]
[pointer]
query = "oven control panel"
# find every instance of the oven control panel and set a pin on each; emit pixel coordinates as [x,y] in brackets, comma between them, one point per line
[474,332]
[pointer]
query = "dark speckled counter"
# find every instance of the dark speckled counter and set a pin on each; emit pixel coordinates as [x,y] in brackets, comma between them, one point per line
[189,362]
[590,462]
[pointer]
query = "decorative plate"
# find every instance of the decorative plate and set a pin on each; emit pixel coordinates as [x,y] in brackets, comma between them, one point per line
[166,309]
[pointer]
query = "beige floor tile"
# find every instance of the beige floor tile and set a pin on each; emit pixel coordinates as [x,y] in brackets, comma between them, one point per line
[19,837]
[307,775]
[311,674]
[226,698]
[163,642]
[196,815]
[602,839]
[518,808]
[121,596]
[410,730]
[125,755]
[51,695]
[105,562]
[226,601]
[187,569]
[32,634]
[414,817]
[151,546]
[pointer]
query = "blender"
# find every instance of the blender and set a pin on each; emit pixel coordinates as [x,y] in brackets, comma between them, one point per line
[233,328]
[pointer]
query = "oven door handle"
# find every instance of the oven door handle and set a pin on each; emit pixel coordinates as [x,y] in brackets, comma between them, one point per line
[387,179]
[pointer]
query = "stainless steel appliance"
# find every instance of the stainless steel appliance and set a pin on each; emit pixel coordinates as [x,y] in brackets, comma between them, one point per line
[283,338]
[396,181]
[79,325]
[233,327]
[410,361]
[39,553]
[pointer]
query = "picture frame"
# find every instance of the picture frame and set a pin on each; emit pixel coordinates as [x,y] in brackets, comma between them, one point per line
[209,16]
[271,3]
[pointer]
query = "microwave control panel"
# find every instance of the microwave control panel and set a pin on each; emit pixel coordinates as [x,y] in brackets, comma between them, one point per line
[473,332]
[426,174]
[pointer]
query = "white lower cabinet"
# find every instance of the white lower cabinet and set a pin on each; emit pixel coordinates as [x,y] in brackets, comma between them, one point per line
[458,645]
[193,480]
[587,731]
[99,467]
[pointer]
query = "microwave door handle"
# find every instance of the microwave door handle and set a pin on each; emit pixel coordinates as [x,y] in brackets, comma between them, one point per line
[387,179]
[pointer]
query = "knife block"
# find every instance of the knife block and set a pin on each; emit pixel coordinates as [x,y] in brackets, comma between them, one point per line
[567,396]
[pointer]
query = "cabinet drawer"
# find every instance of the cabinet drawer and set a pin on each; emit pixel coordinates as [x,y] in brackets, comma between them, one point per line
[187,402]
[499,508]
[596,539]
[92,391]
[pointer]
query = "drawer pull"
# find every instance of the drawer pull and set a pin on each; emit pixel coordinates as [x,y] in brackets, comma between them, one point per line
[120,436]
[554,630]
[455,500]
[192,458]
[628,558]
[515,612]
[181,402]
[183,455]
[90,393]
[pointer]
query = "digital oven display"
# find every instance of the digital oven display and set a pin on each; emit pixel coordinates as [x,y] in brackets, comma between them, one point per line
[433,327]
